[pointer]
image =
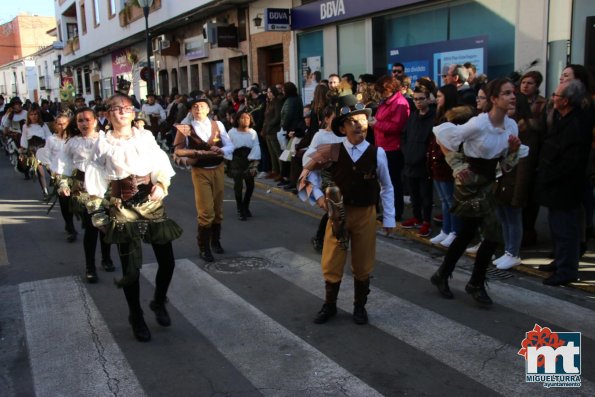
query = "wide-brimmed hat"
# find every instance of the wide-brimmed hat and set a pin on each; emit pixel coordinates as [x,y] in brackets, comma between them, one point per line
[197,100]
[16,99]
[347,106]
[141,116]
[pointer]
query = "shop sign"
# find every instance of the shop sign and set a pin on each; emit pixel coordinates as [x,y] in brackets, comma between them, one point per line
[276,19]
[195,48]
[227,36]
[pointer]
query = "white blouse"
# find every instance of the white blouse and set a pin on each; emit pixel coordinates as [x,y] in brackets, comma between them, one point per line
[78,153]
[322,137]
[116,159]
[247,139]
[51,153]
[29,131]
[479,137]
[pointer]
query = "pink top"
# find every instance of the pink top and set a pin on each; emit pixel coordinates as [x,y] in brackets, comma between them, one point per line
[391,118]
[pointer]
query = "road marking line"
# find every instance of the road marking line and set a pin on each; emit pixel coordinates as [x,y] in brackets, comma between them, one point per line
[490,362]
[71,350]
[3,252]
[271,357]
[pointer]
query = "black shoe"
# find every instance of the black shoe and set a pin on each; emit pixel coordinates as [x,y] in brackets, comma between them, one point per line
[248,213]
[284,182]
[547,268]
[478,292]
[242,217]
[71,238]
[161,314]
[207,256]
[325,313]
[91,276]
[317,244]
[216,247]
[556,280]
[108,265]
[139,328]
[442,284]
[360,315]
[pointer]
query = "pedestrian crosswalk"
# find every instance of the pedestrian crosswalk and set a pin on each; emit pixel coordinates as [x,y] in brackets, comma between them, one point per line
[73,351]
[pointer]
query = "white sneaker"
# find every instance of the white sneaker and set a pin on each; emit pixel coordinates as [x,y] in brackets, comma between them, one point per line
[448,240]
[438,238]
[407,200]
[508,262]
[500,259]
[473,249]
[261,175]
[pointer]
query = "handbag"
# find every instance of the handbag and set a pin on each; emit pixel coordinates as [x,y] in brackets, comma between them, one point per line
[282,138]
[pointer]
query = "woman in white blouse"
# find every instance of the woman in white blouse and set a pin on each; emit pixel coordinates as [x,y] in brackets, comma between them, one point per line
[137,172]
[35,134]
[244,161]
[76,157]
[51,155]
[486,140]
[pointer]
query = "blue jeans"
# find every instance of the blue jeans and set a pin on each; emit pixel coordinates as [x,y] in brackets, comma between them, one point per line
[565,231]
[511,219]
[445,190]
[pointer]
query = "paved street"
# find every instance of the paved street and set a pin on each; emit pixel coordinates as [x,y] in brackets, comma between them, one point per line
[242,326]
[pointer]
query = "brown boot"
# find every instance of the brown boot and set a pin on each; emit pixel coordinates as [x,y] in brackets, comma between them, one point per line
[204,243]
[329,309]
[360,298]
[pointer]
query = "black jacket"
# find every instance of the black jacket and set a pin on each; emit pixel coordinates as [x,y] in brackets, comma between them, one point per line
[415,141]
[563,160]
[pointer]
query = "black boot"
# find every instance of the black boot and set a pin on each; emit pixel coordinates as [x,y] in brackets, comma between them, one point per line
[161,314]
[360,298]
[204,243]
[91,274]
[478,292]
[215,238]
[440,280]
[329,309]
[246,206]
[139,327]
[476,285]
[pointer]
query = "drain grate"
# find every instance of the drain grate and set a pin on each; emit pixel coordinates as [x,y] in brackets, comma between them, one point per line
[496,274]
[238,264]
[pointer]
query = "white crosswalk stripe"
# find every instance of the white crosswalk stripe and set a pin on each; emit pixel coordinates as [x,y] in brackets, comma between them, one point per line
[501,369]
[71,350]
[264,351]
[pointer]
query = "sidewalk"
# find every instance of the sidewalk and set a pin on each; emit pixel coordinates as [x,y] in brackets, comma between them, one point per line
[532,257]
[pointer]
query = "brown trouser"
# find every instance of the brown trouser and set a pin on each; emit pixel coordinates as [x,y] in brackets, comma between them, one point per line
[361,225]
[208,194]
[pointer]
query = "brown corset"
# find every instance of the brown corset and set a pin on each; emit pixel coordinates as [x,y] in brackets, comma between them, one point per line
[133,189]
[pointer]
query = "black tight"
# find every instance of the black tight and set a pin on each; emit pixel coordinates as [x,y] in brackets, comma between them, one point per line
[90,241]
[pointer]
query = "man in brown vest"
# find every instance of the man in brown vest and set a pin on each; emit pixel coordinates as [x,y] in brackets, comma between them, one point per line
[202,144]
[357,169]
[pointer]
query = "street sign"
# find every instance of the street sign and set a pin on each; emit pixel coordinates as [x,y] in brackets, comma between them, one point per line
[276,19]
[146,74]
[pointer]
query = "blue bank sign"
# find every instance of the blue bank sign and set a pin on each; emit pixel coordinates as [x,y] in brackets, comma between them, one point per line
[328,11]
[276,19]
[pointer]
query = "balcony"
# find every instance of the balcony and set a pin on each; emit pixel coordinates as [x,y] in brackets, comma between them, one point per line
[42,81]
[72,45]
[132,12]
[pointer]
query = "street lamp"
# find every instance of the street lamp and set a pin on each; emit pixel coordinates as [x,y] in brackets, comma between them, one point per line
[145,5]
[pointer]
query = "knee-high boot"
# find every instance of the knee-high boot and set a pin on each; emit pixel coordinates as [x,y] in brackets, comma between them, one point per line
[329,308]
[476,285]
[360,298]
[204,243]
[216,238]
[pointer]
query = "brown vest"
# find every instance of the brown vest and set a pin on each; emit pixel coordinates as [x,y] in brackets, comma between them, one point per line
[195,143]
[357,181]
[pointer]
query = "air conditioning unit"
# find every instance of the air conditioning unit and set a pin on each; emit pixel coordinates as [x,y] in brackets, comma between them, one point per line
[165,44]
[155,43]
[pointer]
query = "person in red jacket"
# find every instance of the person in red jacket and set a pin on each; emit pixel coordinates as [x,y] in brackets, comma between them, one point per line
[390,119]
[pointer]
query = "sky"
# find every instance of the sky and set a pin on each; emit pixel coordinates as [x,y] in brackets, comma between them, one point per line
[12,8]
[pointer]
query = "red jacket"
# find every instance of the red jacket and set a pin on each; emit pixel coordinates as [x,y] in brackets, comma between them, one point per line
[391,118]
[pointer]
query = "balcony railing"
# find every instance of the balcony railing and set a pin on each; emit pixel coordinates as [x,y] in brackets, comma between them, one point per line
[131,12]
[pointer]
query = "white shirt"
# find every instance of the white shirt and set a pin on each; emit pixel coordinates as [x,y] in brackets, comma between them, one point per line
[247,139]
[29,131]
[153,110]
[78,153]
[51,153]
[387,195]
[202,129]
[16,118]
[115,159]
[479,137]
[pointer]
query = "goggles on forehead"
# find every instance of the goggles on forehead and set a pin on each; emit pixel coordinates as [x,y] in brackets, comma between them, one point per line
[346,109]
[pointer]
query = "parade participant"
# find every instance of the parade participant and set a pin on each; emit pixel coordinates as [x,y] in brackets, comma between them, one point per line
[50,156]
[76,157]
[360,172]
[35,133]
[12,123]
[244,161]
[136,172]
[202,145]
[487,139]
[155,113]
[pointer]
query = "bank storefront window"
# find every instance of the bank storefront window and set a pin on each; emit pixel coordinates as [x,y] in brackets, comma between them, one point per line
[310,60]
[447,31]
[352,44]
